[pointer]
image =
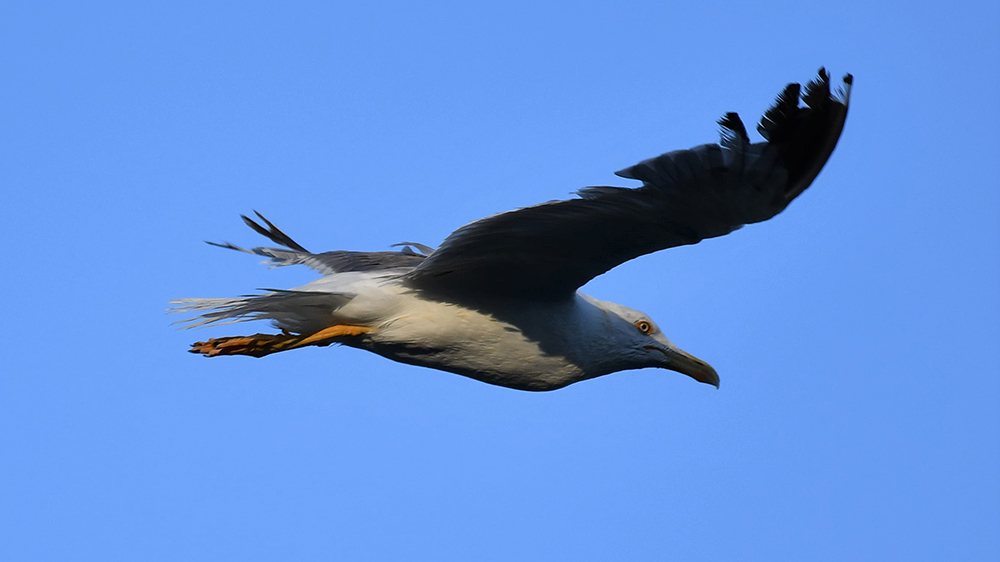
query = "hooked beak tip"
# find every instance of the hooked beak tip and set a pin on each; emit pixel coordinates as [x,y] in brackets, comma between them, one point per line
[703,373]
[689,365]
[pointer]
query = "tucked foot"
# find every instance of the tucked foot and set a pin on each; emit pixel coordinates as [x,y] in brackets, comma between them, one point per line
[259,345]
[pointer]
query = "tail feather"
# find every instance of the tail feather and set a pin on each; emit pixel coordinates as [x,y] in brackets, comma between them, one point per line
[291,311]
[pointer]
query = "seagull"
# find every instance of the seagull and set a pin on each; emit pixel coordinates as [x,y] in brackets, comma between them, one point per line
[498,300]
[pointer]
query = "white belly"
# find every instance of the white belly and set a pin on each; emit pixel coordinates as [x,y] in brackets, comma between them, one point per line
[478,345]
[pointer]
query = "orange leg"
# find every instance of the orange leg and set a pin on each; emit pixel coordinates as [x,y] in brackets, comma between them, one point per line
[259,345]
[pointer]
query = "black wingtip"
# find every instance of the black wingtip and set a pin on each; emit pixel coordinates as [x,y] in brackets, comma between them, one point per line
[806,136]
[817,92]
[733,131]
[844,92]
[774,124]
[272,232]
[255,227]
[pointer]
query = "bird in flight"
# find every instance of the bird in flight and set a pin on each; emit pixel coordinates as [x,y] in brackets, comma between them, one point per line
[498,300]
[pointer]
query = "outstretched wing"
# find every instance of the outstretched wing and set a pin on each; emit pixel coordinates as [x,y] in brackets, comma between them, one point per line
[548,251]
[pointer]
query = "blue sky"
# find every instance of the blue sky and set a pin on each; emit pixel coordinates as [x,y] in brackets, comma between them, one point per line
[856,334]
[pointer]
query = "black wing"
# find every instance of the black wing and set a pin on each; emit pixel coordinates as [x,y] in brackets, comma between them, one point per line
[548,251]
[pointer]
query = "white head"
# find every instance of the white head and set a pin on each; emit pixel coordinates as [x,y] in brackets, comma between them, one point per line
[636,342]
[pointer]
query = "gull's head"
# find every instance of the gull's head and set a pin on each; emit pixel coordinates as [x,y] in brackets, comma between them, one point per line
[639,343]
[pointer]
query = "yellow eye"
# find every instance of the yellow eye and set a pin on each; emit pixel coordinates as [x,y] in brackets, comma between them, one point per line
[644,327]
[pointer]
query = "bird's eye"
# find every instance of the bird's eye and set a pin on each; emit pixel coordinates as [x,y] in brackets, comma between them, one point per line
[644,327]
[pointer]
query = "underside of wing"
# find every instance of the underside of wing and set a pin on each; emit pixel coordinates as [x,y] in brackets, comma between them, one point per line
[548,251]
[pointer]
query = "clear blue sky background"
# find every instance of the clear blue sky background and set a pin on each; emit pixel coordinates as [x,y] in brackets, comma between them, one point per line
[856,334]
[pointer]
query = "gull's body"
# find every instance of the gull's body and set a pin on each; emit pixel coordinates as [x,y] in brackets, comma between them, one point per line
[542,347]
[498,301]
